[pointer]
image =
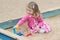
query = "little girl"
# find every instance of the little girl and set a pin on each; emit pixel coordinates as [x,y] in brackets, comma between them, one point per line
[36,24]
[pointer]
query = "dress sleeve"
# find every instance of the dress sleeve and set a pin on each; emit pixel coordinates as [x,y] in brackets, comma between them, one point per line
[24,19]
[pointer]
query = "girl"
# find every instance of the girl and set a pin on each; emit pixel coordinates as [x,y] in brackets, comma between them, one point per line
[36,24]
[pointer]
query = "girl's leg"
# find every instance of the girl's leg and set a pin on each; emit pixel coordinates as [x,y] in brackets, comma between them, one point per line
[30,33]
[41,30]
[44,27]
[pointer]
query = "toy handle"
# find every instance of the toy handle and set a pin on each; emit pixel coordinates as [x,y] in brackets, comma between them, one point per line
[14,30]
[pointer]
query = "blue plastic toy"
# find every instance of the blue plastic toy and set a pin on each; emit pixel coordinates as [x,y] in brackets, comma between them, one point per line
[19,33]
[14,30]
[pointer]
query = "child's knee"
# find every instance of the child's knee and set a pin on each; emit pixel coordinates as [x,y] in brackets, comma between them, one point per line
[44,31]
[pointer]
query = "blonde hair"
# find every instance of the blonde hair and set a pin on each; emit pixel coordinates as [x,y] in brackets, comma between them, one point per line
[34,7]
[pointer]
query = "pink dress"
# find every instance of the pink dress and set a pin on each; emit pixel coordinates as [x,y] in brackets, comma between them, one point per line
[33,22]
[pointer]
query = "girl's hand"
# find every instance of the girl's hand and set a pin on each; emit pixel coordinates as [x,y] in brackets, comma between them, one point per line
[17,27]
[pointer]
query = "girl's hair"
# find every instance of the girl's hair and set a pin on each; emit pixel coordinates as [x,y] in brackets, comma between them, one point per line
[34,7]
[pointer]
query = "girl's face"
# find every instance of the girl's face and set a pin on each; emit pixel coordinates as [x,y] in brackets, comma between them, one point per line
[29,10]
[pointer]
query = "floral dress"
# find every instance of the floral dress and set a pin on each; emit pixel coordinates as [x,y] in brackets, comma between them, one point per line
[33,22]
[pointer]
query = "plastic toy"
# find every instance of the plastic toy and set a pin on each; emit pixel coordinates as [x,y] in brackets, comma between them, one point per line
[27,35]
[19,33]
[14,30]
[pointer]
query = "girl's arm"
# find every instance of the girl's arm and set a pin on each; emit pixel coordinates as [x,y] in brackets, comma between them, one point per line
[15,28]
[25,18]
[40,19]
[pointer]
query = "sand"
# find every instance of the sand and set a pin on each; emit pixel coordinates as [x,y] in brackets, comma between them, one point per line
[54,22]
[13,9]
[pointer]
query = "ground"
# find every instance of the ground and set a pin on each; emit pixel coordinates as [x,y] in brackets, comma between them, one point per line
[54,22]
